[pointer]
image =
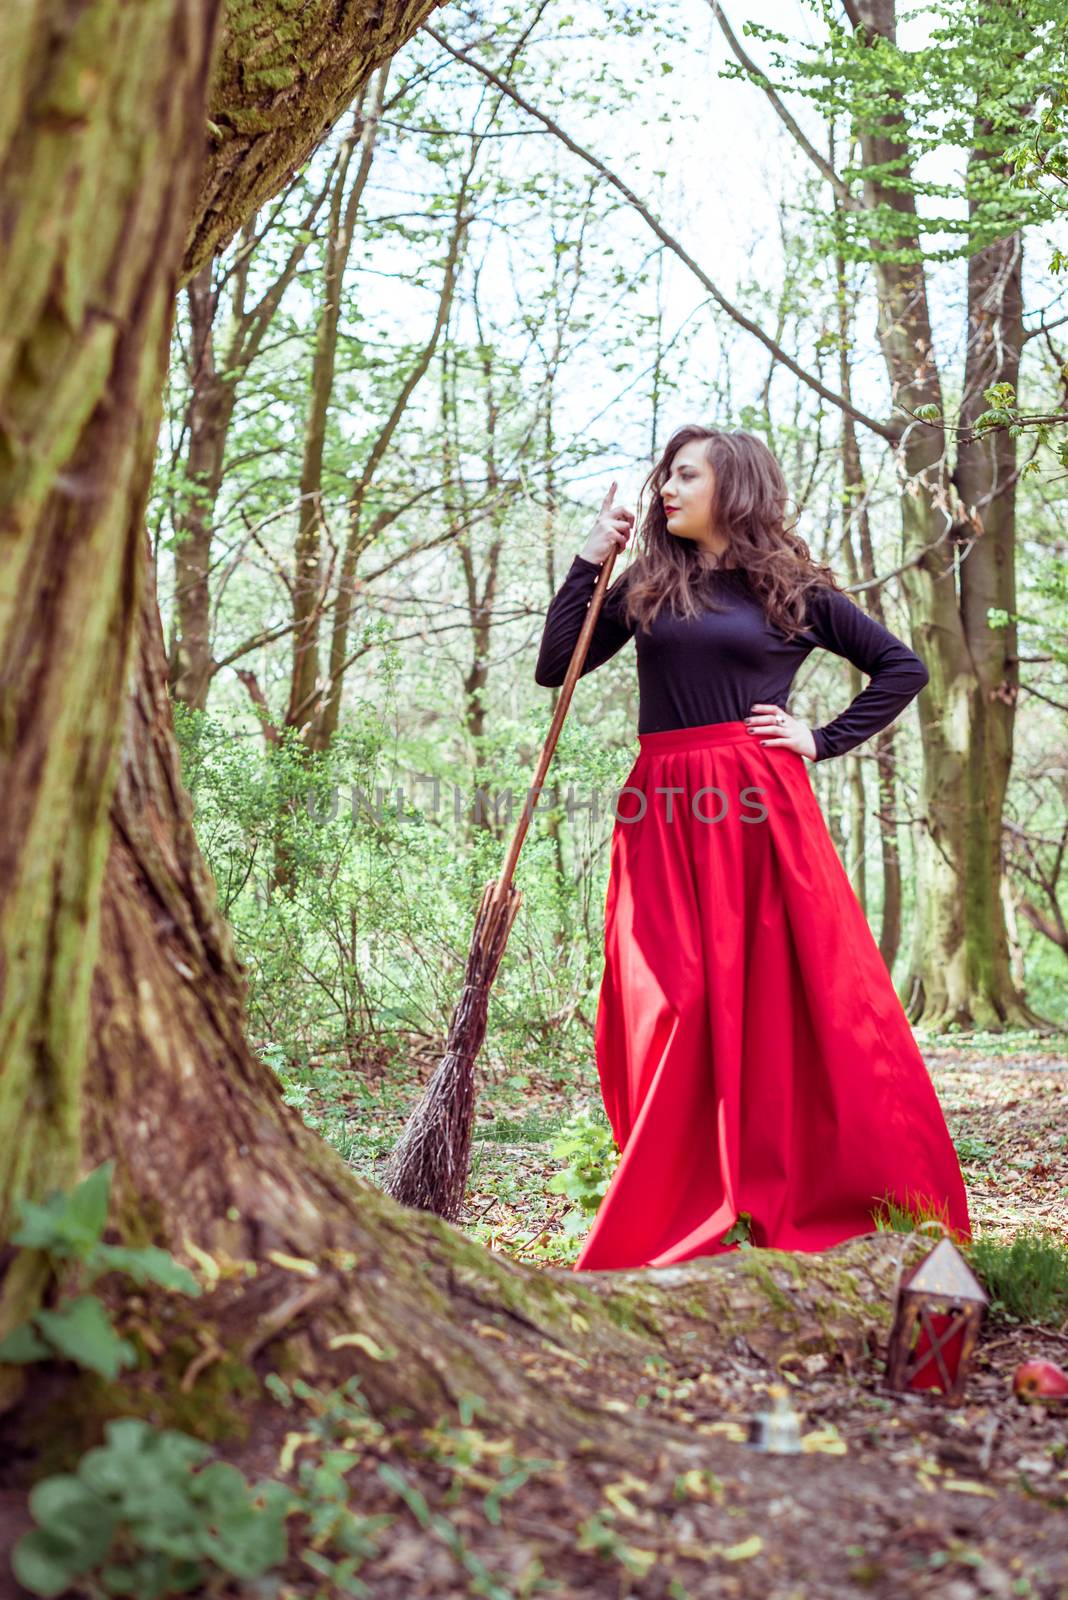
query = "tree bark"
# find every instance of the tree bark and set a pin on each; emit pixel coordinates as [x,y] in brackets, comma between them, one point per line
[986,479]
[481,588]
[101,136]
[959,960]
[285,75]
[211,408]
[102,116]
[310,584]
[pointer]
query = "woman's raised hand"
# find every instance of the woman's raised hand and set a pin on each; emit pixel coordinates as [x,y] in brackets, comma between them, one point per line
[611,530]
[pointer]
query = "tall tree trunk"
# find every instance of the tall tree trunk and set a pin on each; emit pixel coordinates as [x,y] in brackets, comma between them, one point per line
[986,479]
[101,136]
[561,932]
[357,539]
[480,600]
[959,958]
[111,117]
[211,408]
[309,581]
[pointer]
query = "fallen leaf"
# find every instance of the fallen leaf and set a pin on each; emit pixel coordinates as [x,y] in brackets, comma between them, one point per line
[291,1445]
[307,1269]
[616,1497]
[827,1441]
[365,1342]
[746,1550]
[730,1430]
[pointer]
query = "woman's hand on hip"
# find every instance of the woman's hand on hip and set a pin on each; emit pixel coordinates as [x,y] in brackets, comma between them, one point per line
[773,726]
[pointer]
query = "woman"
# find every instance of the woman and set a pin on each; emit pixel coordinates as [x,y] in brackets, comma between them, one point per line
[752,1052]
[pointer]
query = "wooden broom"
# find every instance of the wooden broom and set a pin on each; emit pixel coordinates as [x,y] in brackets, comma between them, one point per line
[428,1167]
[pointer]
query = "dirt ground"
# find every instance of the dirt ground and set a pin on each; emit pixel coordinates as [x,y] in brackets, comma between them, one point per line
[891,1496]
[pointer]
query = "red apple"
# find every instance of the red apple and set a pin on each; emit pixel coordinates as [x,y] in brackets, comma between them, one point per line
[1040,1380]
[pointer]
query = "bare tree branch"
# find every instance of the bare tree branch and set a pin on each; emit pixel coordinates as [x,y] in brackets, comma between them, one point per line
[841,189]
[884,430]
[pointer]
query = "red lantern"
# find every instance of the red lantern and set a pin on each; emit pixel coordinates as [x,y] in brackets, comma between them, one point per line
[940,1308]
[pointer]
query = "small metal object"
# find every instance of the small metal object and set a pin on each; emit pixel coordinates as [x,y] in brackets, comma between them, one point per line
[778,1431]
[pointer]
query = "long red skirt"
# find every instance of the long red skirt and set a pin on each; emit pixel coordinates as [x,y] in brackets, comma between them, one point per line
[752,1051]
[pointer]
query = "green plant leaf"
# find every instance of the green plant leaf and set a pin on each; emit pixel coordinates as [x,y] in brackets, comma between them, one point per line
[42,1563]
[81,1332]
[67,1224]
[75,1533]
[22,1344]
[144,1264]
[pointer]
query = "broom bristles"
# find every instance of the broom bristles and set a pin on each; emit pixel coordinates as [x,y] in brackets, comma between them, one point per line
[428,1167]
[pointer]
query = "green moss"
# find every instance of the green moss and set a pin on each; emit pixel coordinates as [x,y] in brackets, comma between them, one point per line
[788,1261]
[634,1313]
[273,77]
[756,1267]
[249,120]
[59,1434]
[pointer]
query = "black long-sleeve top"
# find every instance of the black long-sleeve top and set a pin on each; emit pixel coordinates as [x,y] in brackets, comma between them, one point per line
[716,666]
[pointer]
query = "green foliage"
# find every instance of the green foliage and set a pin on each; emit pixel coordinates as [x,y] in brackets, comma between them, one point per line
[971,1149]
[480,1580]
[1026,1279]
[598,1535]
[587,1146]
[68,1225]
[741,1232]
[337,1540]
[143,1522]
[363,954]
[987,81]
[80,1331]
[67,1228]
[476,1459]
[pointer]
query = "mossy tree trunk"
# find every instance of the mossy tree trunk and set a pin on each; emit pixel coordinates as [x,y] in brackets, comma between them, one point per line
[286,72]
[961,968]
[101,139]
[959,555]
[103,112]
[212,397]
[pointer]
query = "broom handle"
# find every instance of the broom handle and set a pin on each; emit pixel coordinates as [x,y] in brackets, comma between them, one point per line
[578,656]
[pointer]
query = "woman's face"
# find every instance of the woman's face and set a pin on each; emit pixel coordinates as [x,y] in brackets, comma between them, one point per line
[687,494]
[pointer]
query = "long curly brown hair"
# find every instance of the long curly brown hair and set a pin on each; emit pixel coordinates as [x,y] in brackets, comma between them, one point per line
[750,498]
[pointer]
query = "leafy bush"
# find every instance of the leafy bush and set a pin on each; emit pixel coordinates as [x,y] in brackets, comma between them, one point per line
[144,1523]
[67,1227]
[587,1146]
[364,950]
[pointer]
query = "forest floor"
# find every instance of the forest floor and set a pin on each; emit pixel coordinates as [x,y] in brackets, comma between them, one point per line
[923,1499]
[1005,1102]
[892,1496]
